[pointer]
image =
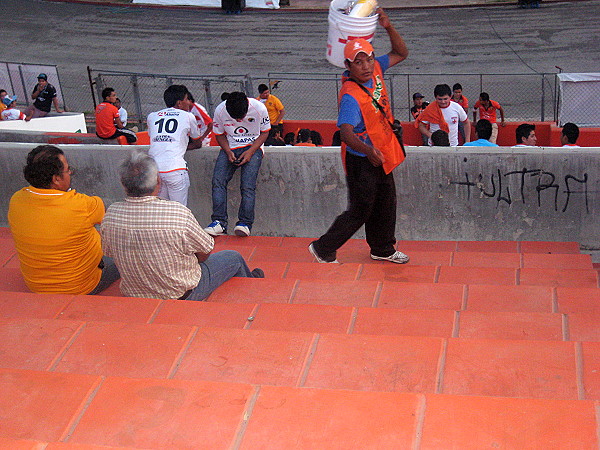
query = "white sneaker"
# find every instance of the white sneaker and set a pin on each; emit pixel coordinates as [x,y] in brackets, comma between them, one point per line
[311,249]
[215,228]
[396,257]
[241,230]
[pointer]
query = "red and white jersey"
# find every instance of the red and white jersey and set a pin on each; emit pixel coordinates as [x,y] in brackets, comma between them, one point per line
[204,120]
[169,130]
[12,114]
[242,132]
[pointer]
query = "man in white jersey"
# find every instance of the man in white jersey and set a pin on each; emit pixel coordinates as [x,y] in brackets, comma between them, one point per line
[443,114]
[205,122]
[241,126]
[170,130]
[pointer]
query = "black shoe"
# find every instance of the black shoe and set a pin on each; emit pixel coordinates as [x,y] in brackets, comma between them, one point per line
[258,273]
[321,259]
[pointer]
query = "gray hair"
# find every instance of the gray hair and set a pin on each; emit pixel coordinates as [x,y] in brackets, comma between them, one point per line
[139,174]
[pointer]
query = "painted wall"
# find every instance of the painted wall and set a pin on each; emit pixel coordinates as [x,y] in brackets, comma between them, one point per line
[443,193]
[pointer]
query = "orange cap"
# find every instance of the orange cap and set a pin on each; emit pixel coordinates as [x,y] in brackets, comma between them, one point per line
[356,46]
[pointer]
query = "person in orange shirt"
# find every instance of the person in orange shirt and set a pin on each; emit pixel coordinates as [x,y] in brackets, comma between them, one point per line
[108,121]
[53,227]
[487,110]
[458,97]
[3,94]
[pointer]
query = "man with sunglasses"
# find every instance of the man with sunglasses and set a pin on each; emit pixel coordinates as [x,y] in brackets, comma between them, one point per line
[53,228]
[370,151]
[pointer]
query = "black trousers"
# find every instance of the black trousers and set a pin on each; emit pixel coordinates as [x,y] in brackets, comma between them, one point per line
[372,203]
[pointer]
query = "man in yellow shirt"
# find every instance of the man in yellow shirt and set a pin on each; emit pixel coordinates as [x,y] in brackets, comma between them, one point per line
[3,94]
[274,106]
[53,229]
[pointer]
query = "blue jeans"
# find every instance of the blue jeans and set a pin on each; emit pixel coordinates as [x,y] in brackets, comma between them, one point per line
[110,274]
[222,175]
[216,270]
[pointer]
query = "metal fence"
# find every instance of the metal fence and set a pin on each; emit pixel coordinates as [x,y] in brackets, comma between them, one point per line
[313,96]
[20,78]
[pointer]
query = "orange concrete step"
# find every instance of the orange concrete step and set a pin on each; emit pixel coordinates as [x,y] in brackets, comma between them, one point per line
[88,411]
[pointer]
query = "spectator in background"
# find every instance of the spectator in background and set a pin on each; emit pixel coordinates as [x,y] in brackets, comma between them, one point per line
[304,139]
[487,110]
[108,121]
[336,141]
[11,112]
[570,134]
[443,114]
[418,107]
[241,127]
[483,132]
[289,139]
[525,135]
[458,97]
[439,138]
[44,96]
[53,228]
[275,138]
[122,112]
[3,94]
[173,131]
[316,138]
[205,123]
[273,104]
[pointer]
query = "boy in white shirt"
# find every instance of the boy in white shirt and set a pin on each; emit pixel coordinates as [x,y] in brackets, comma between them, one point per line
[241,126]
[11,113]
[172,132]
[122,112]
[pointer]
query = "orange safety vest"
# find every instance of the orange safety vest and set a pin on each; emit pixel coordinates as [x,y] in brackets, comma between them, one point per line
[378,126]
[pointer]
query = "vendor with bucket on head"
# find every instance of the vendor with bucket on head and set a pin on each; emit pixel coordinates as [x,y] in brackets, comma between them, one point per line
[370,151]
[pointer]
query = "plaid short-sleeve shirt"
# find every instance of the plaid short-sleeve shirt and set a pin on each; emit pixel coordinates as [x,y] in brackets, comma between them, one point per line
[154,242]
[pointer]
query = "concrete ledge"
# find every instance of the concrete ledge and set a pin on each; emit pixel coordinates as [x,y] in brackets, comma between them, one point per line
[443,193]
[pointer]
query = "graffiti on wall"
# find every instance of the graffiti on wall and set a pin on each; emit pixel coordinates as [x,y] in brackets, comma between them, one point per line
[544,183]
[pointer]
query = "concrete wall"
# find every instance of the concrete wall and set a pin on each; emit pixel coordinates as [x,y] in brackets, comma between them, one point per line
[443,193]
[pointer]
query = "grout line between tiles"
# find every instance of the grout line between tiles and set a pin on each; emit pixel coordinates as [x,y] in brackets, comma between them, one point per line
[156,311]
[70,428]
[465,302]
[451,259]
[353,317]
[308,360]
[521,257]
[57,315]
[239,435]
[456,325]
[554,299]
[377,294]
[579,370]
[519,247]
[441,365]
[182,352]
[436,274]
[293,293]
[518,277]
[359,272]
[419,420]
[65,348]
[597,410]
[252,254]
[565,327]
[251,317]
[286,270]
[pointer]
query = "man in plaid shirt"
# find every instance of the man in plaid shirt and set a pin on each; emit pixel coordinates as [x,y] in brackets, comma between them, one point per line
[158,245]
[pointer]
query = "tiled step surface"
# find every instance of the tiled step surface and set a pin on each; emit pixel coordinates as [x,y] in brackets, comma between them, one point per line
[89,410]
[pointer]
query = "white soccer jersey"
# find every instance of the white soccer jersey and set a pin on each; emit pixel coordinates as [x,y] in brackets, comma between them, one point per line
[453,114]
[241,133]
[12,114]
[169,130]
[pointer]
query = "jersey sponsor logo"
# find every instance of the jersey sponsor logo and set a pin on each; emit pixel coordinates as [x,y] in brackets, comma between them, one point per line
[240,130]
[264,120]
[163,138]
[167,113]
[244,140]
[250,119]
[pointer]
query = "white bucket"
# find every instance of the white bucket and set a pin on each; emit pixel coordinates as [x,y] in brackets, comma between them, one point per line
[343,28]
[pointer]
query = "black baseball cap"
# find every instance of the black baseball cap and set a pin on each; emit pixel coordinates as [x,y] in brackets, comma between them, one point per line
[417,95]
[42,76]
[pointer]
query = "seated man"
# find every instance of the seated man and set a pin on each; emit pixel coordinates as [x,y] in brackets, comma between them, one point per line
[304,138]
[108,120]
[483,132]
[53,228]
[569,135]
[525,135]
[158,245]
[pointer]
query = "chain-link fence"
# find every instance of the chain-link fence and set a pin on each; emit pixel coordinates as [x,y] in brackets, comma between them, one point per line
[310,96]
[20,78]
[522,96]
[574,105]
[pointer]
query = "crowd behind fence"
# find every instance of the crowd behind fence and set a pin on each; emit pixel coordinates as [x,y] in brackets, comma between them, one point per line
[19,79]
[313,96]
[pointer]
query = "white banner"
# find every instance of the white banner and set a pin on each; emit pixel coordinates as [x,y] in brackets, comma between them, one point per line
[264,4]
[578,94]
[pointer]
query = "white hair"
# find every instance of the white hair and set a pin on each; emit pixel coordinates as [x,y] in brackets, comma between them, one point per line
[139,174]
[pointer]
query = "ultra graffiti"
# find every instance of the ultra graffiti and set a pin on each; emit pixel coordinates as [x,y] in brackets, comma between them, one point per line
[541,180]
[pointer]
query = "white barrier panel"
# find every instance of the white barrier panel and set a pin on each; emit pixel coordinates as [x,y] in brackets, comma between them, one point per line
[59,123]
[576,89]
[264,4]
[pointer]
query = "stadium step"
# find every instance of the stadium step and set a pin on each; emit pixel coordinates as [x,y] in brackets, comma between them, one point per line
[469,345]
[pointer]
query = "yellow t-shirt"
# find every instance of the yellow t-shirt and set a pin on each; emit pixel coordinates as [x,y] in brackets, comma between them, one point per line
[2,108]
[274,107]
[58,246]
